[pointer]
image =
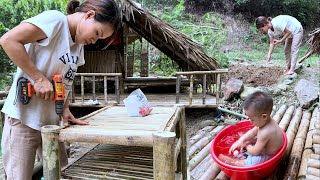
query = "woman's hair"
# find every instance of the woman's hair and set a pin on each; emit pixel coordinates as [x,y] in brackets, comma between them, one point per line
[260,101]
[262,21]
[107,11]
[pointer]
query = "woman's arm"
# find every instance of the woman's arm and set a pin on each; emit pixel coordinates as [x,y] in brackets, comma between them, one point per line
[13,43]
[285,36]
[271,48]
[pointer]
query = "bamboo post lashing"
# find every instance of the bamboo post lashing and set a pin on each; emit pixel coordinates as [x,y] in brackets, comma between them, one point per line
[204,88]
[211,172]
[117,89]
[51,152]
[297,148]
[204,141]
[163,155]
[200,134]
[196,173]
[222,176]
[286,118]
[105,89]
[93,88]
[199,157]
[178,82]
[82,89]
[277,117]
[191,89]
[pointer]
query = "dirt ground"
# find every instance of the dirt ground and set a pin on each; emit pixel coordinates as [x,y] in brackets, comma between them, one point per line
[254,75]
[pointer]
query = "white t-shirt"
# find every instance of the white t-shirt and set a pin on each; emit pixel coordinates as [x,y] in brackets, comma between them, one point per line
[57,54]
[281,22]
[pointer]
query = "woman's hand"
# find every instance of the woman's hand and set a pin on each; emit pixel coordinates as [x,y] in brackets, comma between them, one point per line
[68,117]
[276,41]
[44,89]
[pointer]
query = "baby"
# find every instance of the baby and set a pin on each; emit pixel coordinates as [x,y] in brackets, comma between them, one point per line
[268,134]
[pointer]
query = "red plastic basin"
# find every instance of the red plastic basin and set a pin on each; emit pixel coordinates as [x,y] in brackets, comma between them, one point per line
[254,172]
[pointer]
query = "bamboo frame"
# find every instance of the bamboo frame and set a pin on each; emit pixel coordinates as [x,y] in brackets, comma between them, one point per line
[277,117]
[163,143]
[297,148]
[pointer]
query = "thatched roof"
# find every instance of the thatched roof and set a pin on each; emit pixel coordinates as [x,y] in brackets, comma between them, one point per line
[188,54]
[313,43]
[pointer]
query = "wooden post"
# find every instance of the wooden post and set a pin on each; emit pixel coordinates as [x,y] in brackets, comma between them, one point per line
[204,89]
[178,88]
[163,155]
[218,83]
[73,94]
[82,89]
[51,152]
[116,78]
[93,88]
[183,166]
[105,87]
[191,89]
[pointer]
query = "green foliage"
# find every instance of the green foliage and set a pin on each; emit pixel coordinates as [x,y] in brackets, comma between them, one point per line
[12,12]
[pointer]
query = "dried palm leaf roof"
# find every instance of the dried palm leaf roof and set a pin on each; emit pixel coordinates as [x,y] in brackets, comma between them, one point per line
[188,54]
[313,43]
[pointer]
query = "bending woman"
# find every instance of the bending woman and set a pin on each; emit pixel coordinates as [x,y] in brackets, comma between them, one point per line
[291,31]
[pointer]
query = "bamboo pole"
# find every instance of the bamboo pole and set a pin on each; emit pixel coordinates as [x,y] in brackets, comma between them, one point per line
[304,163]
[51,152]
[314,163]
[82,89]
[314,171]
[277,117]
[297,148]
[217,71]
[232,112]
[218,85]
[200,134]
[93,88]
[178,82]
[290,133]
[204,141]
[197,172]
[117,89]
[163,155]
[286,118]
[314,119]
[222,176]
[315,156]
[191,89]
[183,160]
[105,89]
[199,157]
[316,139]
[204,88]
[311,177]
[211,172]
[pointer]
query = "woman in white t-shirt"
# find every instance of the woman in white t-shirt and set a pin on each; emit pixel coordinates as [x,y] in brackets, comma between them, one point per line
[45,45]
[291,31]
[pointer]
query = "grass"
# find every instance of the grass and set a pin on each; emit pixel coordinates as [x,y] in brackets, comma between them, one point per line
[258,54]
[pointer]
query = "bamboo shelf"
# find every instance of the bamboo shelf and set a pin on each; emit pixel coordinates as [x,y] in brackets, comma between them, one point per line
[147,141]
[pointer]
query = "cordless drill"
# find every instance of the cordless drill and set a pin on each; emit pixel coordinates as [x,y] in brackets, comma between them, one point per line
[25,90]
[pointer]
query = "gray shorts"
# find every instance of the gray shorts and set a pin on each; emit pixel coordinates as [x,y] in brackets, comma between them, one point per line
[254,160]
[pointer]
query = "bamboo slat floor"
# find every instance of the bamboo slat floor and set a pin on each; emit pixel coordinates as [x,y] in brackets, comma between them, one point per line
[113,162]
[297,124]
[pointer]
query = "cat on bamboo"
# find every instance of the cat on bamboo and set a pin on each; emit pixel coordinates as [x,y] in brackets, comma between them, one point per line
[266,134]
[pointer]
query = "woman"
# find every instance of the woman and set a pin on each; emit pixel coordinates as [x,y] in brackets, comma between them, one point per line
[291,31]
[47,44]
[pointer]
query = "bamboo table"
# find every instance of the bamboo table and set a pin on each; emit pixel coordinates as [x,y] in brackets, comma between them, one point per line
[163,130]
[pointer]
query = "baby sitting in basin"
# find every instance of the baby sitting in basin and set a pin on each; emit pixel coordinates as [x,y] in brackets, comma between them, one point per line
[269,139]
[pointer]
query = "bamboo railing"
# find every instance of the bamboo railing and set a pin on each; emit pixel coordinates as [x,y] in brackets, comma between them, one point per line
[106,76]
[209,85]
